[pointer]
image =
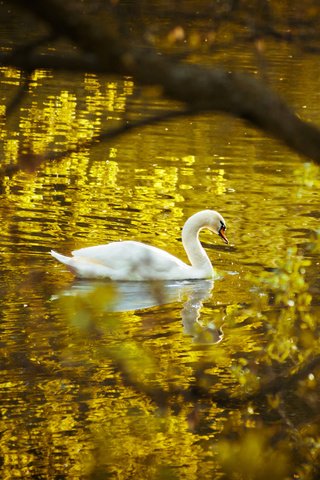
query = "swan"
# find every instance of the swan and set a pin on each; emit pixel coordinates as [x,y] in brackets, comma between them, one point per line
[135,261]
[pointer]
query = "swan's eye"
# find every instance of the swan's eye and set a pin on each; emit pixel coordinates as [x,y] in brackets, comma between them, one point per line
[222,229]
[222,226]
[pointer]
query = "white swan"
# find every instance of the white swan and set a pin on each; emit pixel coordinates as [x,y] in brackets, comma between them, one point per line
[135,261]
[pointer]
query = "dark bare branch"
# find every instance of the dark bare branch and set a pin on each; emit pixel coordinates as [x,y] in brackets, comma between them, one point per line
[29,161]
[197,87]
[19,95]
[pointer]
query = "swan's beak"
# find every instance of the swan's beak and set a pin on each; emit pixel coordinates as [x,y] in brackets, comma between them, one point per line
[222,234]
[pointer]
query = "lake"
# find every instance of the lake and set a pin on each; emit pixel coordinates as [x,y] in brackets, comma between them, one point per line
[95,374]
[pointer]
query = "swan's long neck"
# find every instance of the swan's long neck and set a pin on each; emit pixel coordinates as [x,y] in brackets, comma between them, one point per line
[190,239]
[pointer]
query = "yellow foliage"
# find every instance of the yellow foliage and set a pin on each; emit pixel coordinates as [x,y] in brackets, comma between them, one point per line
[252,457]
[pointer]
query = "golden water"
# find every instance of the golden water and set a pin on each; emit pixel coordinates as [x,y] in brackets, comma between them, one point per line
[67,406]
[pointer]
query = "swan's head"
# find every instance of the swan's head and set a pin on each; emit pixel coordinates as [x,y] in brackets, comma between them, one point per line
[218,225]
[206,219]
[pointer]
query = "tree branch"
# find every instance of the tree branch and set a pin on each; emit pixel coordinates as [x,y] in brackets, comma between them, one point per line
[29,161]
[65,62]
[281,384]
[197,87]
[20,93]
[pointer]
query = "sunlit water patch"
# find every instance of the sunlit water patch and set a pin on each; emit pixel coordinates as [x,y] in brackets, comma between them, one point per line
[88,368]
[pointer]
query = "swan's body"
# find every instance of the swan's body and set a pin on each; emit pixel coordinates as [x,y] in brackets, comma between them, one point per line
[135,261]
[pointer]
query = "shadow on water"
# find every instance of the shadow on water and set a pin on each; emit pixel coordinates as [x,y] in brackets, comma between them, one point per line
[137,296]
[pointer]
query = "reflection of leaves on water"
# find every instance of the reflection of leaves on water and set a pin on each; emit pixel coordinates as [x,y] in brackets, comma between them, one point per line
[84,306]
[86,301]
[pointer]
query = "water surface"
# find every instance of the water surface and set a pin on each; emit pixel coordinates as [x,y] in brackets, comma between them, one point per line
[84,364]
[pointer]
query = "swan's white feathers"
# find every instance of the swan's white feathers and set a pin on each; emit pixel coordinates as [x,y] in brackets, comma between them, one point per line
[116,255]
[130,260]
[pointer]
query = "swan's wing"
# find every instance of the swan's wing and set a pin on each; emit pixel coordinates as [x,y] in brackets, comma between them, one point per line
[130,255]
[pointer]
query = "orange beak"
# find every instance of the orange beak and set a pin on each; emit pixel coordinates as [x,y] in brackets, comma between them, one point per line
[222,234]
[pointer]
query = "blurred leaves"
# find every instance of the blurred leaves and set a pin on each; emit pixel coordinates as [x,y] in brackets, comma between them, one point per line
[254,457]
[170,397]
[161,382]
[83,309]
[290,324]
[128,394]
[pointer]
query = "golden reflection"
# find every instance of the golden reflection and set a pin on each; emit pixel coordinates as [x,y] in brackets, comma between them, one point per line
[94,97]
[220,183]
[11,150]
[57,122]
[189,160]
[38,76]
[10,73]
[135,296]
[81,378]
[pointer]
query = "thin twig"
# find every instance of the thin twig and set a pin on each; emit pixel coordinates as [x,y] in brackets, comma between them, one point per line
[119,131]
[22,51]
[19,95]
[23,164]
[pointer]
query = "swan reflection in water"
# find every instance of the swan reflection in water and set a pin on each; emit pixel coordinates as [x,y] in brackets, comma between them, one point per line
[135,296]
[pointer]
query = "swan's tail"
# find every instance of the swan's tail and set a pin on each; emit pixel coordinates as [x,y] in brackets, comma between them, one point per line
[68,261]
[61,258]
[83,268]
